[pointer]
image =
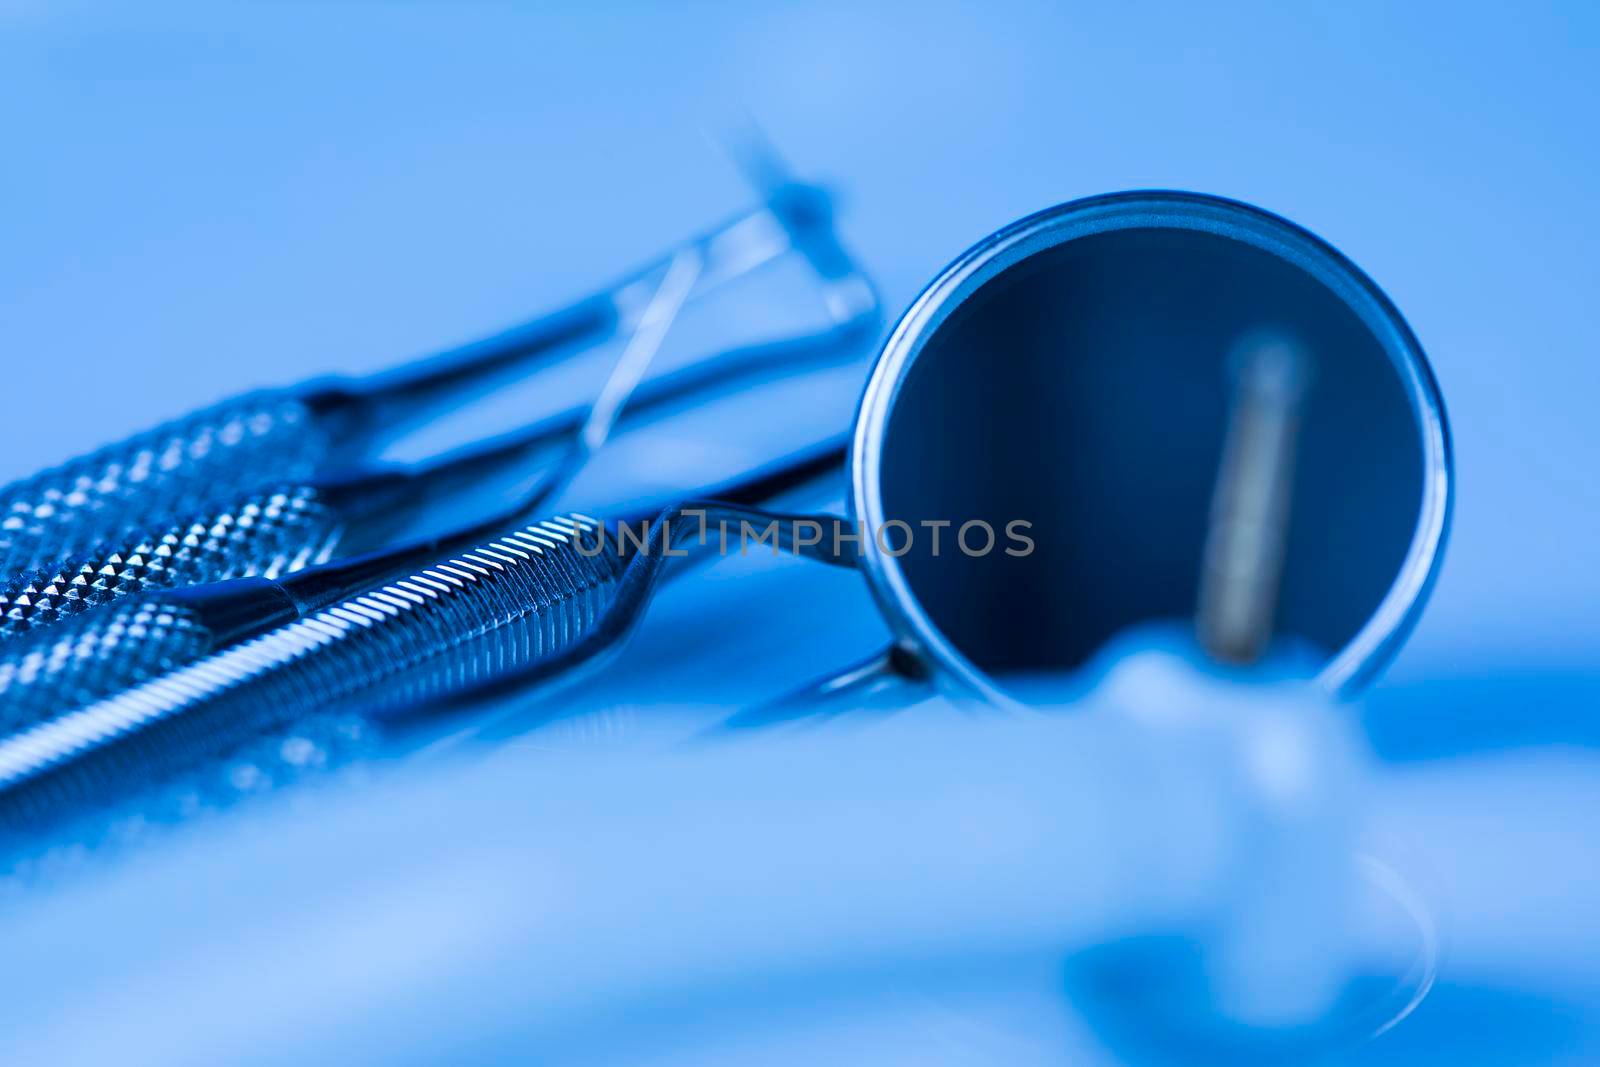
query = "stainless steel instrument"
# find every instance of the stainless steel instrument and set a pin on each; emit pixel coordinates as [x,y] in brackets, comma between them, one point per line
[216,457]
[914,457]
[534,595]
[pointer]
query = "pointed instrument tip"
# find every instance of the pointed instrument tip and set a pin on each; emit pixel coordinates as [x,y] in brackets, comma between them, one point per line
[754,153]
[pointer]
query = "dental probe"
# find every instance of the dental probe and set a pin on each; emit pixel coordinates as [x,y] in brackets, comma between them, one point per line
[279,530]
[458,619]
[128,646]
[220,453]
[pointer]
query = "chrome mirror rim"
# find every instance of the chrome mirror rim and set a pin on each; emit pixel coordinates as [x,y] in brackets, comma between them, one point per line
[1381,636]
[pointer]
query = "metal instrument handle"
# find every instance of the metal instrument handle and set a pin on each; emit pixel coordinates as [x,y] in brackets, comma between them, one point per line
[99,653]
[516,599]
[178,468]
[548,596]
[266,533]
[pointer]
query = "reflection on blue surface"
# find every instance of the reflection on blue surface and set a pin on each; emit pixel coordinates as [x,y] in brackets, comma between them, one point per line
[201,200]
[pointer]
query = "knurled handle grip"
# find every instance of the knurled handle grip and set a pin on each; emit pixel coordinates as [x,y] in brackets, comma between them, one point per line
[520,598]
[283,758]
[94,656]
[178,468]
[267,533]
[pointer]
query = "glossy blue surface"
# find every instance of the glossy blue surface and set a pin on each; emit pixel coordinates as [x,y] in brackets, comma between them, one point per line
[199,200]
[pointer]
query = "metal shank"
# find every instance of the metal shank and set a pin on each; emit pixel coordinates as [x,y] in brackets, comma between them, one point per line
[513,600]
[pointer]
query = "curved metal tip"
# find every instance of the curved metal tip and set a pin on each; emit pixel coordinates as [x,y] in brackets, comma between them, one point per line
[1272,362]
[756,156]
[806,212]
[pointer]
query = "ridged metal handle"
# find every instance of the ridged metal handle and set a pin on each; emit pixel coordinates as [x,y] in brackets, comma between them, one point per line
[301,752]
[95,656]
[517,599]
[268,533]
[178,468]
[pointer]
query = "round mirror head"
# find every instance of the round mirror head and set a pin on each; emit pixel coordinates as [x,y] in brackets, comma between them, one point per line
[1065,385]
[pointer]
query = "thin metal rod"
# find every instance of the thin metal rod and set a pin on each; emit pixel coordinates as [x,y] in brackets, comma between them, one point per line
[641,349]
[320,586]
[658,397]
[624,378]
[1244,552]
[400,396]
[673,534]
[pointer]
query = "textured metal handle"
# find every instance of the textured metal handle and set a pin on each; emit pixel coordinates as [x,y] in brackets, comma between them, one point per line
[94,656]
[517,599]
[298,753]
[268,533]
[178,468]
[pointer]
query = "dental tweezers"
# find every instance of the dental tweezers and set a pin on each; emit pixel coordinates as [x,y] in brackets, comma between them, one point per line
[52,669]
[279,526]
[222,452]
[280,529]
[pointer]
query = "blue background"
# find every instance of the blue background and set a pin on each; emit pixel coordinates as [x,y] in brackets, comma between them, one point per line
[202,199]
